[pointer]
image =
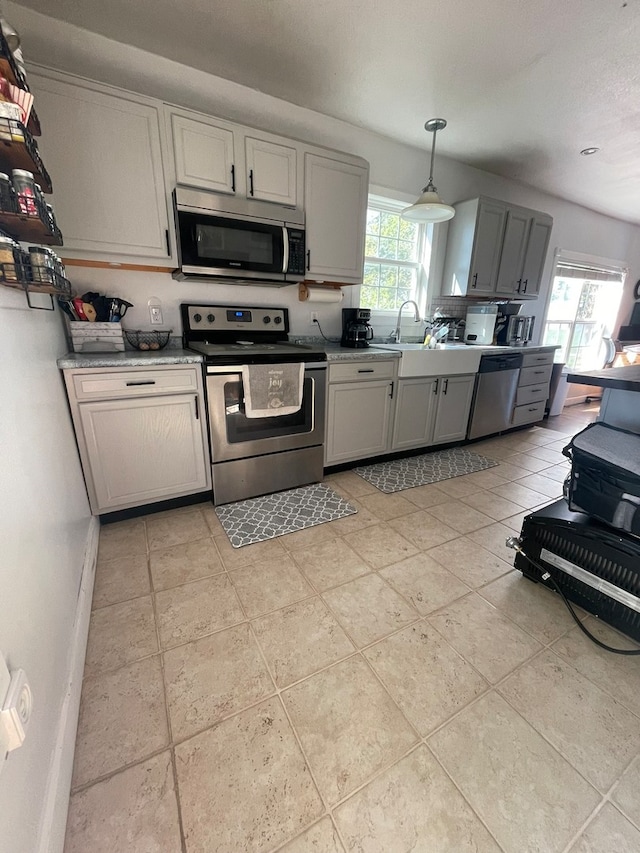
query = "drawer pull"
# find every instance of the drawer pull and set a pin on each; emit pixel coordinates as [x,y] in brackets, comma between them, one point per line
[143,382]
[533,409]
[539,372]
[535,390]
[368,370]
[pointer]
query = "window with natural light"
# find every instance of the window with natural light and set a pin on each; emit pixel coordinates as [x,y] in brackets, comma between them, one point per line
[582,312]
[395,259]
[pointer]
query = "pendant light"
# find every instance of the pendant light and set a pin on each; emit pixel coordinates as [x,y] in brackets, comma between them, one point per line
[429,208]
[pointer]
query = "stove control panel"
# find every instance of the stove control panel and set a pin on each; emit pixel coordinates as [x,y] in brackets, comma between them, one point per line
[229,318]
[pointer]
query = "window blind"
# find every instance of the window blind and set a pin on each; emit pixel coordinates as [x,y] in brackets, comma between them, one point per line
[565,269]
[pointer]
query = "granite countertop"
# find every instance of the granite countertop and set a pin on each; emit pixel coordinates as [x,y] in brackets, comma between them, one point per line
[337,353]
[129,358]
[618,378]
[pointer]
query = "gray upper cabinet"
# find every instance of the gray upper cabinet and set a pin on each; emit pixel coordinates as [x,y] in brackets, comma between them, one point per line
[204,154]
[495,248]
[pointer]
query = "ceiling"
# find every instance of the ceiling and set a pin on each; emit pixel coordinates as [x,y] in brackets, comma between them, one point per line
[524,84]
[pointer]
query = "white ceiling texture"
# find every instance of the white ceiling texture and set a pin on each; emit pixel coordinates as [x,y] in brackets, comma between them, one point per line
[524,84]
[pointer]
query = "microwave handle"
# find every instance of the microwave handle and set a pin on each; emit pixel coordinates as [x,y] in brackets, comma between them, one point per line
[285,252]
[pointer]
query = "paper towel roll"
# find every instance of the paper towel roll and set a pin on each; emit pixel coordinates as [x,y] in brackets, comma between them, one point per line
[308,293]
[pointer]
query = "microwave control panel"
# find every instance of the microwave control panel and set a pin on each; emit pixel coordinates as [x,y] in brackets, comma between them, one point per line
[296,251]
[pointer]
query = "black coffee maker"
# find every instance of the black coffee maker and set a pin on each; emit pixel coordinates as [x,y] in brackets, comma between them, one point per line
[356,331]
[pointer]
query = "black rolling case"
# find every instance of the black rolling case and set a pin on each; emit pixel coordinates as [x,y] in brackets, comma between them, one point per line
[605,476]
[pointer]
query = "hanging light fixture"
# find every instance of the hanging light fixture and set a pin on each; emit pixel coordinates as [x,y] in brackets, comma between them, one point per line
[429,208]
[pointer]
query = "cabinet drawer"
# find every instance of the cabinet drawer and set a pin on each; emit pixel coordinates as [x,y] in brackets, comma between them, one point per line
[528,414]
[532,394]
[359,371]
[533,359]
[535,375]
[133,383]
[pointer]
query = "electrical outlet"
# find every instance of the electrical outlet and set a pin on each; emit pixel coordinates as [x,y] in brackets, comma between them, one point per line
[155,311]
[313,317]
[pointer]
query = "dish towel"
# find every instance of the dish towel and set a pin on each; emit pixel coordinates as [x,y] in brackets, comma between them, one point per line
[272,390]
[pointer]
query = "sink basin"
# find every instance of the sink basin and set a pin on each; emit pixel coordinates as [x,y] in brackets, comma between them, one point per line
[449,360]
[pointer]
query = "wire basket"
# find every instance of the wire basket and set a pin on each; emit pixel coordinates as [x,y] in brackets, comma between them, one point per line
[142,340]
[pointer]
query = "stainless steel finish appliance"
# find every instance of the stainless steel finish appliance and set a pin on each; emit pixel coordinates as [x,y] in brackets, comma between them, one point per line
[514,331]
[243,240]
[495,394]
[480,324]
[356,331]
[256,456]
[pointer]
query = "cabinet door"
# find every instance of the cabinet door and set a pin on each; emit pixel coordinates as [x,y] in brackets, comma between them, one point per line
[106,167]
[358,420]
[335,210]
[513,251]
[204,154]
[415,410]
[487,245]
[142,450]
[454,406]
[271,171]
[535,256]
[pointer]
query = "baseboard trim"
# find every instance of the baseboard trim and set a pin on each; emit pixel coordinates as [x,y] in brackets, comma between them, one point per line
[54,812]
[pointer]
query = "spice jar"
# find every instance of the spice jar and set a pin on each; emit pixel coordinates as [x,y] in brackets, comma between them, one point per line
[41,265]
[8,267]
[7,196]
[25,189]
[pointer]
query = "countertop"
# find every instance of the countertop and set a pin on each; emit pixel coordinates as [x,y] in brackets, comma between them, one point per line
[619,378]
[129,358]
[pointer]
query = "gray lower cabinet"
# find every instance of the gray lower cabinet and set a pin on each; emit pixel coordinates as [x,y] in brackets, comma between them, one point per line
[432,410]
[454,406]
[533,388]
[141,434]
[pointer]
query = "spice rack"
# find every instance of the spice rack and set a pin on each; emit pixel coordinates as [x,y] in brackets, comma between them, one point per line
[19,151]
[33,227]
[10,70]
[35,279]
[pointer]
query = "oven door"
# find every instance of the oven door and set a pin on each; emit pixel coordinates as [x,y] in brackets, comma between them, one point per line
[230,246]
[235,436]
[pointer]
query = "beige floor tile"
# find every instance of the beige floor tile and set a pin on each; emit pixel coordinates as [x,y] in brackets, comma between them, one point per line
[508,471]
[352,483]
[528,796]
[244,785]
[308,537]
[209,512]
[119,634]
[619,675]
[558,473]
[606,737]
[120,579]
[412,806]
[547,454]
[369,608]
[486,479]
[122,540]
[330,563]
[521,495]
[425,496]
[543,485]
[459,487]
[515,522]
[176,529]
[422,529]
[493,538]
[321,838]
[387,506]
[213,678]
[484,636]
[136,810]
[348,726]
[358,521]
[493,505]
[426,677]
[381,545]
[529,463]
[424,582]
[237,558]
[470,562]
[195,609]
[122,720]
[607,832]
[270,585]
[625,795]
[460,516]
[182,563]
[301,639]
[532,606]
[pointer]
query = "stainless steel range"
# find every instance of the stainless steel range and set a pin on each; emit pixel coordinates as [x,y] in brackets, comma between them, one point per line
[256,455]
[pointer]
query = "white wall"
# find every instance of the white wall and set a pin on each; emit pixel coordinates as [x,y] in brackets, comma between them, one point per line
[45,523]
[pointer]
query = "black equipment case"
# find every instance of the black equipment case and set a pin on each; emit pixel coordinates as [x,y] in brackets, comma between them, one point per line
[605,476]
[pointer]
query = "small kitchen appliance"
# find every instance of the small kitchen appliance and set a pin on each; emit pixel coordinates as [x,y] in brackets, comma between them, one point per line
[480,324]
[356,331]
[514,330]
[256,456]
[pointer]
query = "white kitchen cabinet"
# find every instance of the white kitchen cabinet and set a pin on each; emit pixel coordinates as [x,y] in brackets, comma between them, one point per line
[536,254]
[516,235]
[453,409]
[106,166]
[141,434]
[335,211]
[416,404]
[223,157]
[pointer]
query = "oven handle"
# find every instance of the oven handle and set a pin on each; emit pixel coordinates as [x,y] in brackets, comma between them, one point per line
[237,368]
[285,248]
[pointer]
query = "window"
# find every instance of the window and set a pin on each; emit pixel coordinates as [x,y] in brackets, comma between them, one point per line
[394,258]
[582,311]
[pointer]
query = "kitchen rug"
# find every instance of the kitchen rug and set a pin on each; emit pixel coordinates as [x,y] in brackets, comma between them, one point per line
[400,474]
[258,519]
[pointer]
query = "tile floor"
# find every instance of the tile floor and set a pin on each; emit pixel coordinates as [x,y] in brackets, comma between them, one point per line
[385,682]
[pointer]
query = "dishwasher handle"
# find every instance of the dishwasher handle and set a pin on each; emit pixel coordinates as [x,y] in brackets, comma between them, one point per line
[495,363]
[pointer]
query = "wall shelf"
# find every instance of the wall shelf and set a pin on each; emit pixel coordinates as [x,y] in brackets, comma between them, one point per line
[22,153]
[10,70]
[28,229]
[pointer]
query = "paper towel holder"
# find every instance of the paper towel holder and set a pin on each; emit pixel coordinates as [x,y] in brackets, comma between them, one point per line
[307,291]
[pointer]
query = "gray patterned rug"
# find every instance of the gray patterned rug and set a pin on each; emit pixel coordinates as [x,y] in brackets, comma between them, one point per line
[257,519]
[420,470]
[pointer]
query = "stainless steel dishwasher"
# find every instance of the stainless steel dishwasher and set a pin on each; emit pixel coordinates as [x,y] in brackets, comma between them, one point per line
[495,394]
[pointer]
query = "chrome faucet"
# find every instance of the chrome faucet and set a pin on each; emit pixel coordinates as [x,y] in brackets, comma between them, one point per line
[416,311]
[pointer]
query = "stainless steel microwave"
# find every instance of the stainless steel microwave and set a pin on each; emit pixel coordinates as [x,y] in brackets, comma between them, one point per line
[236,239]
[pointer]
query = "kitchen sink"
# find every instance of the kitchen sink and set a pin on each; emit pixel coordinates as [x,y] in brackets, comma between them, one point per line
[447,360]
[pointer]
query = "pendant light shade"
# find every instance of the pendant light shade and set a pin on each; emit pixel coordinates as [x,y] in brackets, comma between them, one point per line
[429,208]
